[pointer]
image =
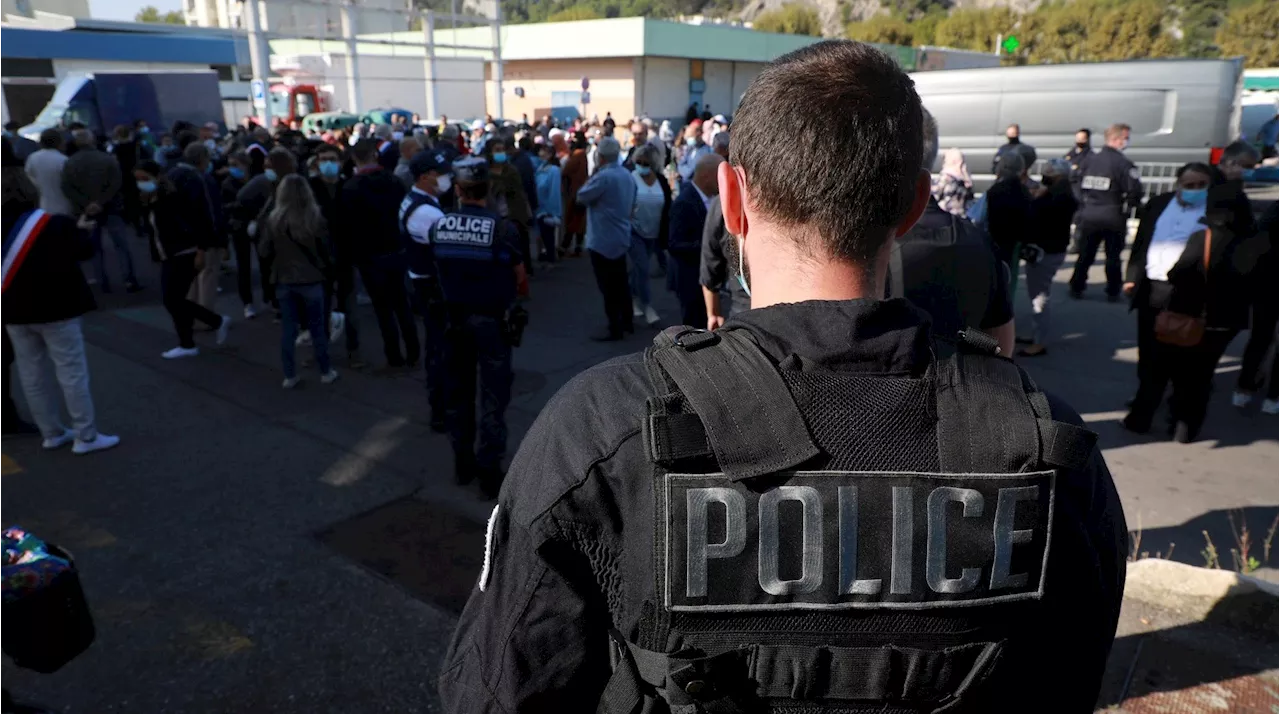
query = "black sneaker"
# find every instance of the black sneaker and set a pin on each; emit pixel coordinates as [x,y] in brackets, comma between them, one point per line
[1183,433]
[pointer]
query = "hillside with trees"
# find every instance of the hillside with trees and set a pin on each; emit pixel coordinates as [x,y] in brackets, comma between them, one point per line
[1055,31]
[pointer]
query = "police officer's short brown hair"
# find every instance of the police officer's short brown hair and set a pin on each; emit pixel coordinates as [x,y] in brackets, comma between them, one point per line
[829,137]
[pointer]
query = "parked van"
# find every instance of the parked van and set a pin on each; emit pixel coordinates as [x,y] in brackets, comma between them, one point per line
[1180,109]
[102,100]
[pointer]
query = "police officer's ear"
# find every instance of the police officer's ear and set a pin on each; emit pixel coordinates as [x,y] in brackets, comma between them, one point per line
[733,198]
[920,201]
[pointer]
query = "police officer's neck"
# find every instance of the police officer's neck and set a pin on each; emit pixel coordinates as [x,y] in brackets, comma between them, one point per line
[795,276]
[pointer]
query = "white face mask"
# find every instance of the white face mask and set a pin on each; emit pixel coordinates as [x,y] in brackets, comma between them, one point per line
[444,183]
[742,276]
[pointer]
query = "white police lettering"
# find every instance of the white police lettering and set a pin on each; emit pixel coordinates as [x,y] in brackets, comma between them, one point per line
[460,228]
[899,528]
[1096,183]
[811,547]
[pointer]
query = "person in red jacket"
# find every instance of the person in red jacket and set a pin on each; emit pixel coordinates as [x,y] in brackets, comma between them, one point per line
[45,294]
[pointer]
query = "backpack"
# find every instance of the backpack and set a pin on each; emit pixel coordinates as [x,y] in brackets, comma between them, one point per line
[835,631]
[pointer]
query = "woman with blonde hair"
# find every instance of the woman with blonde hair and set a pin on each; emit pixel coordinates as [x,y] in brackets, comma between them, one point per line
[295,237]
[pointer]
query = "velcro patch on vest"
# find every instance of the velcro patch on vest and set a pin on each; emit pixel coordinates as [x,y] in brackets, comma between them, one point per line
[1096,183]
[463,229]
[830,540]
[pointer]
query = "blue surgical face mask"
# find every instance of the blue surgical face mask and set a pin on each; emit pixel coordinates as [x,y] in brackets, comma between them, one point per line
[236,172]
[499,157]
[691,141]
[643,170]
[147,186]
[144,130]
[270,174]
[1194,197]
[329,169]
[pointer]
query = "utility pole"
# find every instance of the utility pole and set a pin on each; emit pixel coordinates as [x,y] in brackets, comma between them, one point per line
[497,55]
[259,56]
[350,27]
[433,92]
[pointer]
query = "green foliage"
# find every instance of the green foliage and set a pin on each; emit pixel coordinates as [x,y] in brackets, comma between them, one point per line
[151,14]
[577,12]
[886,29]
[790,19]
[974,29]
[1249,31]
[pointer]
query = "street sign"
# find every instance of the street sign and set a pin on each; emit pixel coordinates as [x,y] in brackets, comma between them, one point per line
[586,97]
[586,84]
[1011,44]
[258,90]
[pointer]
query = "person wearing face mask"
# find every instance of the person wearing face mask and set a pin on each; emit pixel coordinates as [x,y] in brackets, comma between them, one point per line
[340,292]
[1080,150]
[408,149]
[252,202]
[573,177]
[1013,136]
[1170,270]
[693,149]
[1110,188]
[175,244]
[237,176]
[91,181]
[419,211]
[650,221]
[1044,249]
[507,189]
[201,196]
[550,204]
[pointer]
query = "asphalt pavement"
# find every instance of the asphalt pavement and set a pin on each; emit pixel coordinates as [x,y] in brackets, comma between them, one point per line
[248,549]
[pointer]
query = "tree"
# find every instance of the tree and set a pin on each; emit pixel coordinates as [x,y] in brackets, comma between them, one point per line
[152,14]
[1249,31]
[790,19]
[975,29]
[885,29]
[1131,30]
[574,12]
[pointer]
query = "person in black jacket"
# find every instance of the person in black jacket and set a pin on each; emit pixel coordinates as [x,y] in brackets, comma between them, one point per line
[265,171]
[20,196]
[1008,208]
[1168,271]
[688,216]
[327,187]
[1044,247]
[45,294]
[176,245]
[202,205]
[1110,186]
[369,207]
[1262,328]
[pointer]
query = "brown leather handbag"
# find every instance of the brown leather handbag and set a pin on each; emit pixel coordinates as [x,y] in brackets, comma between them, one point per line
[1175,328]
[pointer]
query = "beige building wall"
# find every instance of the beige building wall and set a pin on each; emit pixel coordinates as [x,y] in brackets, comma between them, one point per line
[613,85]
[663,86]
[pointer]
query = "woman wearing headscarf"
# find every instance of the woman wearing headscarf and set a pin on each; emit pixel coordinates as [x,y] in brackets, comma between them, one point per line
[953,188]
[573,177]
[1192,260]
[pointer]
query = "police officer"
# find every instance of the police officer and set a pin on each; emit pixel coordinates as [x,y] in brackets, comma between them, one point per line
[1110,186]
[1081,149]
[783,513]
[419,211]
[478,264]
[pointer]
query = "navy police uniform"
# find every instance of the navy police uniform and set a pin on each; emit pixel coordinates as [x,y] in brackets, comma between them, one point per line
[419,211]
[1110,186]
[476,253]
[818,507]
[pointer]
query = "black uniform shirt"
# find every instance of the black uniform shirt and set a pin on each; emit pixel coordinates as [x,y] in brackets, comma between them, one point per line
[1110,185]
[534,635]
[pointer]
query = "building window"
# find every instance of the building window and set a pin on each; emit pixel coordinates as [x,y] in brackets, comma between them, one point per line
[18,67]
[224,72]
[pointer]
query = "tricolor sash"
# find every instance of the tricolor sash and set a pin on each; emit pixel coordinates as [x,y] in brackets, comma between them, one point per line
[19,241]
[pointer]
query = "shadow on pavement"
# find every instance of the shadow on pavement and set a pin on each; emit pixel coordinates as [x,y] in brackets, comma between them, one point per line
[1190,540]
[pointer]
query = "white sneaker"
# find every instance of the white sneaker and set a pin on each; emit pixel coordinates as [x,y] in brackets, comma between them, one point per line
[57,442]
[651,316]
[290,382]
[1241,400]
[303,339]
[249,312]
[337,323]
[180,352]
[636,310]
[1270,406]
[329,377]
[99,443]
[222,329]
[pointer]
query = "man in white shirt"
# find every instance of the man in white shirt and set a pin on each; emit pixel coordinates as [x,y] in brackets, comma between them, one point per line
[45,169]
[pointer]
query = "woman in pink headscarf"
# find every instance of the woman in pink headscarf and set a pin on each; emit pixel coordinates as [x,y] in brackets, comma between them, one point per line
[953,189]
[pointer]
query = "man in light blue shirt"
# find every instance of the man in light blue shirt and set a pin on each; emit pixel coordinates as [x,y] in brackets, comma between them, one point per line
[694,149]
[609,196]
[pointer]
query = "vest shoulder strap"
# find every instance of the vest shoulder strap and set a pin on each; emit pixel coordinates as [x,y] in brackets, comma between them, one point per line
[744,415]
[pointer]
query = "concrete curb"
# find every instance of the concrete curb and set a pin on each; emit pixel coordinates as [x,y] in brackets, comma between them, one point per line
[1203,594]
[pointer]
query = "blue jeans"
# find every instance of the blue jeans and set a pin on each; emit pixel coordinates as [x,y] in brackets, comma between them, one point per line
[300,303]
[639,255]
[115,227]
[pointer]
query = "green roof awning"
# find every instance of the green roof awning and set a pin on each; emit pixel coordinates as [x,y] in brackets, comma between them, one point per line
[1262,84]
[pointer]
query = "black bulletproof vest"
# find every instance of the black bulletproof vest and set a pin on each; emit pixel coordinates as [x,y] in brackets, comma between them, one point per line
[831,542]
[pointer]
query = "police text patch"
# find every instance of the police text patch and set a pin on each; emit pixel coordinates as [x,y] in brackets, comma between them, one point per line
[838,540]
[464,229]
[1096,183]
